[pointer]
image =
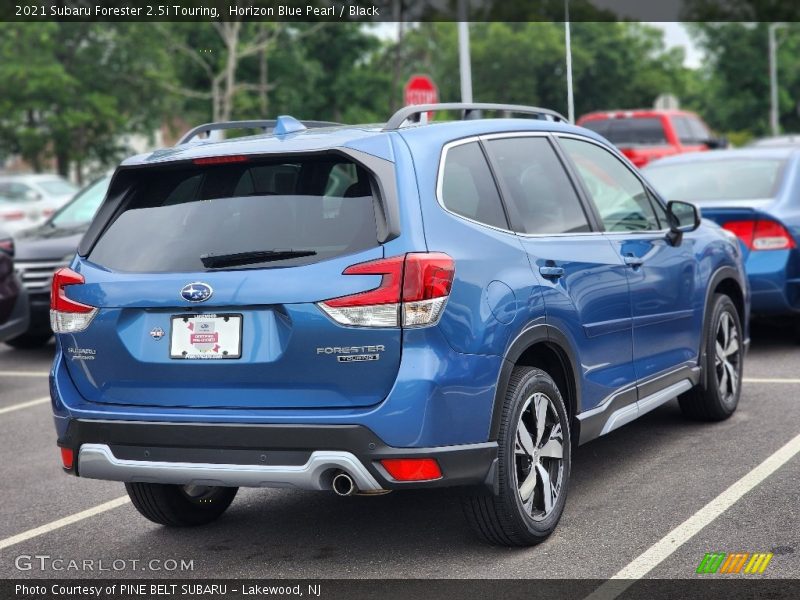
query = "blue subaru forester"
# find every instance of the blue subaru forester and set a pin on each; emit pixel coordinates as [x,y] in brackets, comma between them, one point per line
[372,308]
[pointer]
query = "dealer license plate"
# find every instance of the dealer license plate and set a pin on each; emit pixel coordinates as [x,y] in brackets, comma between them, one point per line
[208,336]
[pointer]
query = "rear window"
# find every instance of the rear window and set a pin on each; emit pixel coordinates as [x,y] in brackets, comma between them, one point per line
[632,131]
[275,213]
[57,187]
[728,179]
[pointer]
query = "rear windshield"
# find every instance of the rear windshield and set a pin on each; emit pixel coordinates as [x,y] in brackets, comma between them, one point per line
[632,131]
[274,213]
[727,179]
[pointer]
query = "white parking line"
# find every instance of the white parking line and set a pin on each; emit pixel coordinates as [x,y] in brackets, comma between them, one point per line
[37,531]
[769,380]
[21,405]
[24,373]
[661,550]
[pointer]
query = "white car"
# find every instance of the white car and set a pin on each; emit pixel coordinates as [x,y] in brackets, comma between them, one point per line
[27,200]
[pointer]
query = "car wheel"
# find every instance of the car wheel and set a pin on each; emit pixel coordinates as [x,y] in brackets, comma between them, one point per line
[28,341]
[180,505]
[534,452]
[724,359]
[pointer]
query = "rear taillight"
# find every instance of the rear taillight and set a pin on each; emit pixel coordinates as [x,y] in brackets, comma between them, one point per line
[68,316]
[761,234]
[12,215]
[412,293]
[7,246]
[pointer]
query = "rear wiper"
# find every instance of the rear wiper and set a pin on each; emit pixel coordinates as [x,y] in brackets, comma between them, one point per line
[215,261]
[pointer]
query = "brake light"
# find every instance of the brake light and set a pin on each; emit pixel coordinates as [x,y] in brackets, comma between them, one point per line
[13,215]
[220,160]
[7,246]
[67,458]
[761,234]
[68,316]
[412,293]
[412,469]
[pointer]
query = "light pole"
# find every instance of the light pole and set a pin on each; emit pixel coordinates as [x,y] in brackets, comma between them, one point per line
[774,121]
[464,63]
[568,44]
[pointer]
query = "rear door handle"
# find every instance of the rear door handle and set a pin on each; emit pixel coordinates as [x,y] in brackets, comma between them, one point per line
[634,261]
[551,272]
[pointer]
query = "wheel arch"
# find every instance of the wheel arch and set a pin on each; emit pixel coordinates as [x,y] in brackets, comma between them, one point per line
[545,347]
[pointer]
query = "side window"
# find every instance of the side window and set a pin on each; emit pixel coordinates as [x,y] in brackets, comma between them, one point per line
[683,130]
[468,188]
[538,186]
[619,196]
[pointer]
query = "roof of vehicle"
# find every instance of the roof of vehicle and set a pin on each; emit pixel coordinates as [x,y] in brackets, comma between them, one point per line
[782,152]
[628,113]
[371,138]
[791,139]
[30,177]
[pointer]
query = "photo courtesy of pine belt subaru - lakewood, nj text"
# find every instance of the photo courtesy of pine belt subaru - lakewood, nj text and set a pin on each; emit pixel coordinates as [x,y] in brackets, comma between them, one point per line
[380,307]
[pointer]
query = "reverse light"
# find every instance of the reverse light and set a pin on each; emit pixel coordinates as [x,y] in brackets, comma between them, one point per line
[68,316]
[67,457]
[761,234]
[412,293]
[412,469]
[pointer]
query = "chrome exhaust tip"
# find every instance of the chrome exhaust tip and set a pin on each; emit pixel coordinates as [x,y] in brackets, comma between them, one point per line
[343,485]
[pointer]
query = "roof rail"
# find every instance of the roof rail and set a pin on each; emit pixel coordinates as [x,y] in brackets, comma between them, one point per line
[265,125]
[413,113]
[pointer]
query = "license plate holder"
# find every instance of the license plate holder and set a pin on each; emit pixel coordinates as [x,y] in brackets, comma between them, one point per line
[205,336]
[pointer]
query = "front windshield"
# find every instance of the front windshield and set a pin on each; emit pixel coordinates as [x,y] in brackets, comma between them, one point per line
[723,179]
[81,209]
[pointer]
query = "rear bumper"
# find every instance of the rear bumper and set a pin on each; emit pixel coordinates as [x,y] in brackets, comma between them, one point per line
[264,455]
[775,288]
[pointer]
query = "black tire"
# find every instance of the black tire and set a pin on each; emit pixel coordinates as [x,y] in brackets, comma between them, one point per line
[179,505]
[711,403]
[501,517]
[28,341]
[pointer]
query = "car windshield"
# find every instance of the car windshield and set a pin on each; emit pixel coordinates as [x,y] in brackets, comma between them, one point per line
[81,209]
[57,187]
[723,179]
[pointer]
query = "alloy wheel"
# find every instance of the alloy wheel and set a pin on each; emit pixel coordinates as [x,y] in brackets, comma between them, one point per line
[539,456]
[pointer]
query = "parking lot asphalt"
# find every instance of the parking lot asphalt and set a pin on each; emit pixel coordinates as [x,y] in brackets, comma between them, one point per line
[628,490]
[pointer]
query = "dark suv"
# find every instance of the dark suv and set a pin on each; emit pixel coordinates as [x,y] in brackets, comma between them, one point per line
[373,308]
[13,297]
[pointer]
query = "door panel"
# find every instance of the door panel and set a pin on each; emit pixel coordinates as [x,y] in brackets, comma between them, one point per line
[661,276]
[583,280]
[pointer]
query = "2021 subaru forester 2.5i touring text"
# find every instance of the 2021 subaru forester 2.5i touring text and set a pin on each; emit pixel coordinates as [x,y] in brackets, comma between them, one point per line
[373,308]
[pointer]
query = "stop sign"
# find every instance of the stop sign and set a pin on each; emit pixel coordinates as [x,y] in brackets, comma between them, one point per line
[420,89]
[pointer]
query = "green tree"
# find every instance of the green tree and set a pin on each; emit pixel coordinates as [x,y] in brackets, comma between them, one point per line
[71,89]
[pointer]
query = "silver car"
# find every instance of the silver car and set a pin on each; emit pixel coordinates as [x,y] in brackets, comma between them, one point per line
[27,200]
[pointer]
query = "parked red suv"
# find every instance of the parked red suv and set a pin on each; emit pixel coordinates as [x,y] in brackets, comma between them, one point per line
[645,135]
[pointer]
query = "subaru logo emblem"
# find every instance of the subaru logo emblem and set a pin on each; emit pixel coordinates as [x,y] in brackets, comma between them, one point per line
[196,292]
[156,333]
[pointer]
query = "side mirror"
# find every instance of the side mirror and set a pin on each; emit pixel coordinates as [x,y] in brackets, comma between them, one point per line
[683,218]
[718,143]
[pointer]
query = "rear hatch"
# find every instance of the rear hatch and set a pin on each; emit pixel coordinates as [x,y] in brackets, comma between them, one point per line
[206,281]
